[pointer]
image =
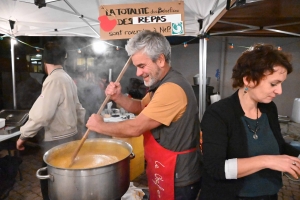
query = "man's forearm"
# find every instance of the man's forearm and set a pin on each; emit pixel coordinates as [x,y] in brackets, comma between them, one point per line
[129,104]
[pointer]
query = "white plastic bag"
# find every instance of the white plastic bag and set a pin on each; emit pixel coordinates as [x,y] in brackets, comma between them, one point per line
[133,193]
[214,98]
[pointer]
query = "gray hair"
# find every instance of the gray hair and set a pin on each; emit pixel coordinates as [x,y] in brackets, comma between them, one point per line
[151,43]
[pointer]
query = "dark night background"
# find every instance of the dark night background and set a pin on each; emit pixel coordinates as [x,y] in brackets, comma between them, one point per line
[111,59]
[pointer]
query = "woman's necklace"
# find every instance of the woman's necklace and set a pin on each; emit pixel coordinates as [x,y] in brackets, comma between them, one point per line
[255,137]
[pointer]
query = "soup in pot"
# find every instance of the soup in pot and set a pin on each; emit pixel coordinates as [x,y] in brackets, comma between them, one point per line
[91,155]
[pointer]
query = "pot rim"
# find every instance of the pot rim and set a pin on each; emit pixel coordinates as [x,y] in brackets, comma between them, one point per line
[109,140]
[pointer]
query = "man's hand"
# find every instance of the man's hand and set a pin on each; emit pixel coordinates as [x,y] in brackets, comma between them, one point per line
[20,144]
[94,122]
[114,90]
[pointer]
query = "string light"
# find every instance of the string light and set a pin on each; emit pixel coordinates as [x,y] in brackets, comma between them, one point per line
[99,46]
[231,46]
[185,44]
[117,47]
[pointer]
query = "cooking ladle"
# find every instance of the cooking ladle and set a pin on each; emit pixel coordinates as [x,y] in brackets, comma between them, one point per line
[99,111]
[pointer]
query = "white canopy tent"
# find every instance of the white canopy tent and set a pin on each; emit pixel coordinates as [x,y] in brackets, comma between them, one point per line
[80,18]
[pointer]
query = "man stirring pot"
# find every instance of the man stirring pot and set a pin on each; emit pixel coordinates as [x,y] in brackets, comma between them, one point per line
[167,117]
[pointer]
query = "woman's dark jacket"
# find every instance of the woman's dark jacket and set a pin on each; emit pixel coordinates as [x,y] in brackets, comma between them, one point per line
[224,137]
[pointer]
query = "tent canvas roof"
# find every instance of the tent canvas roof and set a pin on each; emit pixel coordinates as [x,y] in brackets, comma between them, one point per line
[271,18]
[80,18]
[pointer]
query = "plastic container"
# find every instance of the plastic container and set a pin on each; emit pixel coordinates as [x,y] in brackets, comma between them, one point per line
[296,111]
[196,80]
[2,122]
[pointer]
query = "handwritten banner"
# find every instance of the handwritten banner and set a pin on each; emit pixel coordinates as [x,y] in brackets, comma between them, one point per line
[122,21]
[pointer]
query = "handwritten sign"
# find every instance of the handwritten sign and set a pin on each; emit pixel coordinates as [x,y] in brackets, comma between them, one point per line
[122,21]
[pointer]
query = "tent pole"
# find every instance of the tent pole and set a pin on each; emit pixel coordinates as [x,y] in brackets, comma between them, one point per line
[200,79]
[12,44]
[221,78]
[202,76]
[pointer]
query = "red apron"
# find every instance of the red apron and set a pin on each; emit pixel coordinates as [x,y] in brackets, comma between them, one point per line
[160,169]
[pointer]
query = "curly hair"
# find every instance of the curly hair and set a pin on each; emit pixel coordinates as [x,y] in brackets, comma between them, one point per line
[256,61]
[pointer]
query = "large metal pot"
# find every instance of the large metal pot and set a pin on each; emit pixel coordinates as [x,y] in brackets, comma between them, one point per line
[106,182]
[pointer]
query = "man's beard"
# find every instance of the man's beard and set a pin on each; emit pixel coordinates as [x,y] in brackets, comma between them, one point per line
[153,79]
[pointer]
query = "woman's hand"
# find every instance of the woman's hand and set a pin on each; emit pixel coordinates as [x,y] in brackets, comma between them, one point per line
[282,163]
[287,164]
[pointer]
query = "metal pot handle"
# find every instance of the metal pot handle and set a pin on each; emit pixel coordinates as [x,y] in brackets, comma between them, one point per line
[42,176]
[132,156]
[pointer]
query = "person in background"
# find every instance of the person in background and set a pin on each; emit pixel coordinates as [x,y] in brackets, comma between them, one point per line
[89,93]
[167,117]
[90,96]
[244,153]
[57,109]
[103,80]
[28,91]
[134,88]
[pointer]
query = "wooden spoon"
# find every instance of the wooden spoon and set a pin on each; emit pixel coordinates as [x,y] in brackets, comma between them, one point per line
[99,111]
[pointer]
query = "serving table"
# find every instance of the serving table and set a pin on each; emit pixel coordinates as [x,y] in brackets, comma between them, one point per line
[8,132]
